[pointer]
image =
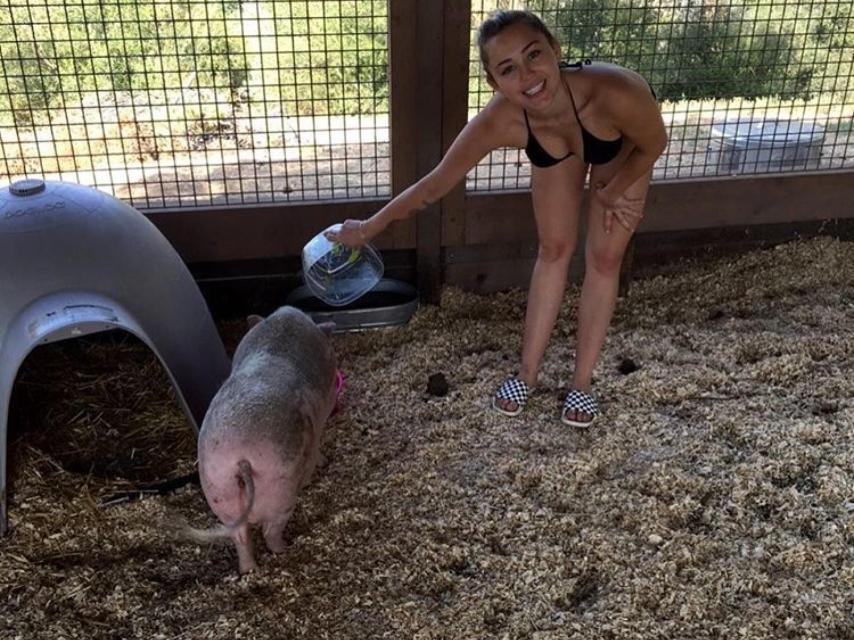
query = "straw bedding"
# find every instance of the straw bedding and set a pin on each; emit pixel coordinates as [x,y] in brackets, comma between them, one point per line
[714,499]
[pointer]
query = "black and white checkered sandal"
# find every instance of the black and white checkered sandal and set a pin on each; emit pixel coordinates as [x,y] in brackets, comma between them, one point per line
[581,402]
[514,390]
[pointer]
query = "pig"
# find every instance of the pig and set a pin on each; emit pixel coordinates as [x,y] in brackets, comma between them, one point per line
[260,438]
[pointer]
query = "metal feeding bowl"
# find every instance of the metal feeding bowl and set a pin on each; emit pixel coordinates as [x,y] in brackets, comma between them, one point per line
[388,303]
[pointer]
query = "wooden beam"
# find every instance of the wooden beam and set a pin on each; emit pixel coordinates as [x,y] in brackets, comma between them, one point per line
[428,141]
[455,98]
[737,201]
[672,206]
[403,99]
[489,268]
[254,231]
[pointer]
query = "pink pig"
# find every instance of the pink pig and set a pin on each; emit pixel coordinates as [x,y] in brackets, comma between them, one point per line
[260,439]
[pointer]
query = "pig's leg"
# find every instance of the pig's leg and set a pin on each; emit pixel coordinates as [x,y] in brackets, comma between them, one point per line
[274,532]
[243,542]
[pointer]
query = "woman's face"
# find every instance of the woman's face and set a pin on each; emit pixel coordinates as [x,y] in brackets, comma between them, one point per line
[523,66]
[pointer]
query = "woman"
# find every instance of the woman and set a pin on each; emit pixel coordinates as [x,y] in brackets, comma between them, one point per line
[569,119]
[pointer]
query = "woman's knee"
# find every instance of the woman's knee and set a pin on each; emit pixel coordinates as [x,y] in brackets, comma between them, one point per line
[555,250]
[605,260]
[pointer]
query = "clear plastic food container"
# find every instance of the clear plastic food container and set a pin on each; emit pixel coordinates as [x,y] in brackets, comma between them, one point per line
[336,274]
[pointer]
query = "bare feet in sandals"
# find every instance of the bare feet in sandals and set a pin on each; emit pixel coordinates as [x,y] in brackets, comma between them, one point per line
[579,409]
[511,397]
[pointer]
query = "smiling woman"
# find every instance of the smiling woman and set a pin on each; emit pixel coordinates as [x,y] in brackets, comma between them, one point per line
[572,120]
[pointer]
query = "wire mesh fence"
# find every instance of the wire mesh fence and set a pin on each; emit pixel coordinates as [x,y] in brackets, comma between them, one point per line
[746,86]
[198,102]
[168,103]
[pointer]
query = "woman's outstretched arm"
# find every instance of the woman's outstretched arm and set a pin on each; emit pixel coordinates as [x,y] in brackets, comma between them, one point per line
[482,134]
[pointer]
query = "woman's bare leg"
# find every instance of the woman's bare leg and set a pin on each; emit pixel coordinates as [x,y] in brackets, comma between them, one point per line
[603,257]
[556,194]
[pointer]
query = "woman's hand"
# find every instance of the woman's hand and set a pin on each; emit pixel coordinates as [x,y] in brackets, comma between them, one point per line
[351,234]
[628,212]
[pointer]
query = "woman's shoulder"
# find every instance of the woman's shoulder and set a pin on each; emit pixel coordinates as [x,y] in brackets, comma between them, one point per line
[607,77]
[602,86]
[500,109]
[502,119]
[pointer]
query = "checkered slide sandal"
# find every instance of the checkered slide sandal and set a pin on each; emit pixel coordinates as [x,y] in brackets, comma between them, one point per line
[581,402]
[514,390]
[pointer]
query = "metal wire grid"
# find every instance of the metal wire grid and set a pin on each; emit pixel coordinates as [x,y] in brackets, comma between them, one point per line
[199,102]
[797,116]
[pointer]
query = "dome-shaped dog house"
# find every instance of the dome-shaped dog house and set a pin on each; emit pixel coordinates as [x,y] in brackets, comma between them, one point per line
[74,261]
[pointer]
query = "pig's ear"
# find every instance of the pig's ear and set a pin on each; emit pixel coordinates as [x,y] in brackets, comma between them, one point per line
[327,327]
[252,320]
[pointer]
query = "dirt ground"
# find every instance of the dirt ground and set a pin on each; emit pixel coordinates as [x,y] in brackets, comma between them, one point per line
[714,498]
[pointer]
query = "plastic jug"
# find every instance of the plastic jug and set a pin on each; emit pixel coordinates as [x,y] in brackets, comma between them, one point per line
[336,274]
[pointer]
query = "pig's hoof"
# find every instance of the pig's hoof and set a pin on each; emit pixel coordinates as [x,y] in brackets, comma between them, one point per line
[276,546]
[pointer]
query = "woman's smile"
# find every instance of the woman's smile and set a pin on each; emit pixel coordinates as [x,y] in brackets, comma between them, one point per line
[536,89]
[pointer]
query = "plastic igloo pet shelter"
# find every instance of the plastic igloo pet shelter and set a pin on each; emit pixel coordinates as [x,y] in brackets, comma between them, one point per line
[75,261]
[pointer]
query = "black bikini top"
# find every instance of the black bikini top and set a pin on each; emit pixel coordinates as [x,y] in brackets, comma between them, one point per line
[596,151]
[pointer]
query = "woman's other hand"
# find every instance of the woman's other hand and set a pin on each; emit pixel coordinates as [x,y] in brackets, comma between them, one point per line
[628,212]
[350,234]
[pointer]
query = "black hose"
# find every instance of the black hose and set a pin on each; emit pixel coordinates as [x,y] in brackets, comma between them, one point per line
[155,489]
